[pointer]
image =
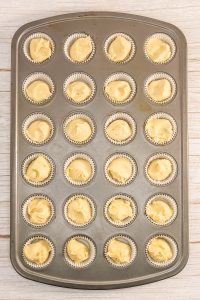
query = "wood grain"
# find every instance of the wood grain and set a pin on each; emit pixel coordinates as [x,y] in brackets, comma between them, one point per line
[184,14]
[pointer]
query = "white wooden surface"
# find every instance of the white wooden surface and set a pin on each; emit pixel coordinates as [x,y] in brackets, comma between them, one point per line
[184,14]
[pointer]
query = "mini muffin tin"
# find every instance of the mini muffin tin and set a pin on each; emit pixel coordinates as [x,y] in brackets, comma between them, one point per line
[98,272]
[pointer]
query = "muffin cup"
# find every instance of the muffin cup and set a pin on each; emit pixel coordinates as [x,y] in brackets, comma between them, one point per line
[126,239]
[38,76]
[89,243]
[125,117]
[71,39]
[166,38]
[80,77]
[26,163]
[83,156]
[86,118]
[33,36]
[25,214]
[124,77]
[111,39]
[129,220]
[92,205]
[157,76]
[110,159]
[51,256]
[169,200]
[161,115]
[33,117]
[174,249]
[167,180]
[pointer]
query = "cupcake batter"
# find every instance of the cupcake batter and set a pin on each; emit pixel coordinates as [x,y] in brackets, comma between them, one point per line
[118,90]
[78,91]
[78,130]
[81,49]
[38,170]
[40,49]
[77,251]
[120,169]
[118,251]
[159,130]
[158,50]
[120,209]
[160,169]
[79,210]
[37,251]
[38,91]
[119,49]
[159,211]
[79,170]
[159,90]
[160,250]
[39,211]
[119,130]
[39,131]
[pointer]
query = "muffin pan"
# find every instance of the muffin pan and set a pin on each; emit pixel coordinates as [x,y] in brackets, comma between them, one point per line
[99,271]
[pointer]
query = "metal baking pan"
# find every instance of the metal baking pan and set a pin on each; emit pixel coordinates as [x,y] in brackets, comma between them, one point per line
[99,274]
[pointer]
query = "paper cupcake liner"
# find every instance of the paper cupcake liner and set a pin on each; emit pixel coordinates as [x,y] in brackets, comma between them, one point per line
[134,168]
[83,156]
[38,76]
[82,116]
[161,115]
[89,243]
[129,220]
[168,199]
[71,39]
[170,178]
[157,76]
[37,35]
[25,214]
[125,77]
[26,163]
[166,38]
[125,117]
[126,239]
[173,245]
[111,38]
[78,76]
[33,117]
[51,256]
[92,205]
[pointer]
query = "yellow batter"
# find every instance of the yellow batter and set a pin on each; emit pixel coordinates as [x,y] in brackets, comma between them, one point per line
[79,210]
[119,49]
[158,50]
[159,211]
[79,91]
[118,251]
[39,131]
[160,169]
[77,251]
[40,49]
[39,211]
[159,90]
[38,91]
[120,169]
[78,130]
[159,130]
[79,170]
[81,49]
[120,209]
[37,251]
[118,90]
[119,130]
[160,250]
[38,170]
